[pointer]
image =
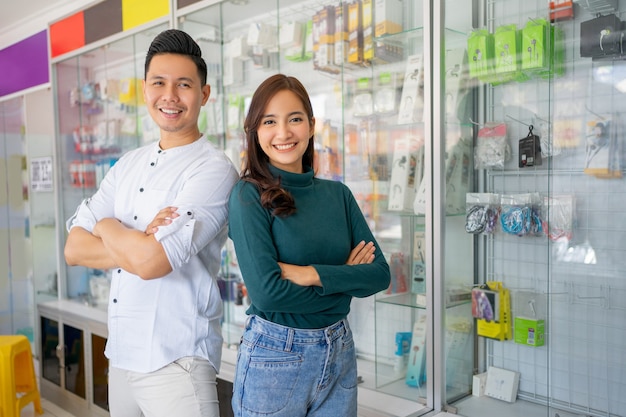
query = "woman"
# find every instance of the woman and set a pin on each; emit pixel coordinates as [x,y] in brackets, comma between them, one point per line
[304,250]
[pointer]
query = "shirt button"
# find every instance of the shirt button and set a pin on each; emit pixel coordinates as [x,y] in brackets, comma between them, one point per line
[188,213]
[141,190]
[151,164]
[119,271]
[135,217]
[115,300]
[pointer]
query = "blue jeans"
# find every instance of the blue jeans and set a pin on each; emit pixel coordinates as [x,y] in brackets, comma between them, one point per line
[286,372]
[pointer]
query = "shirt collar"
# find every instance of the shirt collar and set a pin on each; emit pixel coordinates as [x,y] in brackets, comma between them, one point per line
[177,149]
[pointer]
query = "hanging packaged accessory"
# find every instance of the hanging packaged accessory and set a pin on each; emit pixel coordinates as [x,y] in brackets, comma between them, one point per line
[482,211]
[491,306]
[529,324]
[530,150]
[480,54]
[521,214]
[601,37]
[492,148]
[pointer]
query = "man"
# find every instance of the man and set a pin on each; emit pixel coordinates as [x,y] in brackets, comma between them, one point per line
[159,221]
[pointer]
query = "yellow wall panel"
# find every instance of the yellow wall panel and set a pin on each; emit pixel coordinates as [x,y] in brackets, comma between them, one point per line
[138,12]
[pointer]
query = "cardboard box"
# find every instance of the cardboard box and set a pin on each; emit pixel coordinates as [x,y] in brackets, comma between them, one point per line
[479,383]
[341,35]
[355,33]
[367,10]
[502,384]
[529,331]
[388,17]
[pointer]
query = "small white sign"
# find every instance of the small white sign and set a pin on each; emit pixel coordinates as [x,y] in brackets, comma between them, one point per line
[41,174]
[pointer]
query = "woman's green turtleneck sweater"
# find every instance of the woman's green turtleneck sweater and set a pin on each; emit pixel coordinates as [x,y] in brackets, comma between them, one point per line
[327,224]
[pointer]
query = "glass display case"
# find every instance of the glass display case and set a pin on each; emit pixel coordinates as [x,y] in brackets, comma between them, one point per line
[548,164]
[100,116]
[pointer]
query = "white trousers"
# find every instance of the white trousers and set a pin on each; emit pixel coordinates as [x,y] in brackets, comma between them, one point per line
[186,387]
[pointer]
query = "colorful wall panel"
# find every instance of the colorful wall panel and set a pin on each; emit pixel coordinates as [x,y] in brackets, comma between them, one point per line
[102,20]
[24,64]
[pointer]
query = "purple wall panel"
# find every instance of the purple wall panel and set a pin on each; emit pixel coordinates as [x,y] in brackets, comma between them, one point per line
[24,64]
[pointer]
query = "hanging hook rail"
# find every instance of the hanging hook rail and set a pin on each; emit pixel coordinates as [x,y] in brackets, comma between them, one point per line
[594,113]
[474,123]
[518,121]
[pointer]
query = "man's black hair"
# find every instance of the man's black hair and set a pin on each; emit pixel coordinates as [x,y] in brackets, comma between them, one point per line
[174,41]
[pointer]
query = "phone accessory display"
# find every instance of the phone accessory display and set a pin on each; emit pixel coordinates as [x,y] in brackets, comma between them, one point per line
[412,99]
[529,323]
[566,133]
[603,147]
[559,224]
[398,268]
[491,307]
[418,281]
[416,368]
[363,104]
[482,212]
[520,214]
[492,148]
[458,175]
[561,10]
[601,37]
[502,384]
[385,93]
[530,150]
[406,173]
[507,45]
[511,54]
[549,146]
[480,54]
[403,348]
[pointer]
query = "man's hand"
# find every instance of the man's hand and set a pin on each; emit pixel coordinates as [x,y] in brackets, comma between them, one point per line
[163,218]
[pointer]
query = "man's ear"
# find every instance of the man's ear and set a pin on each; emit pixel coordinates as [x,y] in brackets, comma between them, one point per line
[206,93]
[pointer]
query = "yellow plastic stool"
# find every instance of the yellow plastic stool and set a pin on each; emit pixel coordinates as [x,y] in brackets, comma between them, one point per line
[18,384]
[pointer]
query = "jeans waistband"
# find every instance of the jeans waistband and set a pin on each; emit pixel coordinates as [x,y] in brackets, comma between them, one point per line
[294,335]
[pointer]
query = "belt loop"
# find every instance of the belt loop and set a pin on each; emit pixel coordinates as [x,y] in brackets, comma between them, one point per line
[289,341]
[248,320]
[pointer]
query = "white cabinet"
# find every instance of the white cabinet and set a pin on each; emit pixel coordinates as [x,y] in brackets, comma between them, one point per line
[71,351]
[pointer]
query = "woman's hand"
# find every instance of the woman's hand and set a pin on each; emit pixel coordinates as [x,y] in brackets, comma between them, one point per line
[307,276]
[163,218]
[363,253]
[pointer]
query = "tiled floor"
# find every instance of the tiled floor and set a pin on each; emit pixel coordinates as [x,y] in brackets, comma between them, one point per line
[49,410]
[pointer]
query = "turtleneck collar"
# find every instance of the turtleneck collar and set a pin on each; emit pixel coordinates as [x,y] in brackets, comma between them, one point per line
[291,179]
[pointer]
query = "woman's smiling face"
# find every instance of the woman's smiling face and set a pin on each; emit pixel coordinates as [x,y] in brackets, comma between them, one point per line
[285,131]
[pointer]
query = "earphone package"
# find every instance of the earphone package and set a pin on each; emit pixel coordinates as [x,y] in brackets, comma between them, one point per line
[480,52]
[601,36]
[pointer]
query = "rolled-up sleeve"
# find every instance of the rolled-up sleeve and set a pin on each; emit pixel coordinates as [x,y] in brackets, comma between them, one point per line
[203,212]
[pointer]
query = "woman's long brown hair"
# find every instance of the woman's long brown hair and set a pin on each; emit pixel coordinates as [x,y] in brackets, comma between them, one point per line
[255,163]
